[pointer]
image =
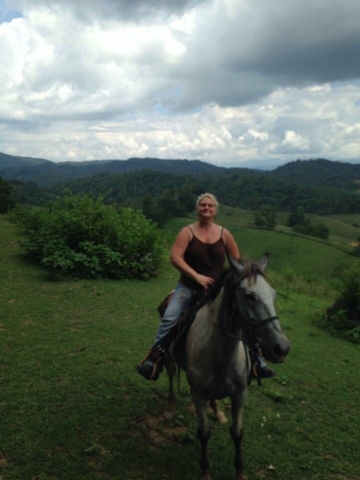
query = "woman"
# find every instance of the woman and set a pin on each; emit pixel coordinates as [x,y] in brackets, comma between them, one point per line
[199,254]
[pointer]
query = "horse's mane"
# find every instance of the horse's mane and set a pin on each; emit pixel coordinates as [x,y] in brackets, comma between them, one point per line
[251,270]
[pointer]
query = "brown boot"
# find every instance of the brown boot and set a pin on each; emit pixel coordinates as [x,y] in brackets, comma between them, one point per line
[151,367]
[261,370]
[266,372]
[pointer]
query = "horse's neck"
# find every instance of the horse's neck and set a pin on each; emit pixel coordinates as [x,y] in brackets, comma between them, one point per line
[216,311]
[213,357]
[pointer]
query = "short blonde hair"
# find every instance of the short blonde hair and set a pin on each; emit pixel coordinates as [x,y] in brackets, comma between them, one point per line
[209,195]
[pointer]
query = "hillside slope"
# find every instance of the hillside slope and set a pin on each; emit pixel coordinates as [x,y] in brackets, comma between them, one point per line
[317,186]
[320,173]
[314,173]
[49,173]
[11,161]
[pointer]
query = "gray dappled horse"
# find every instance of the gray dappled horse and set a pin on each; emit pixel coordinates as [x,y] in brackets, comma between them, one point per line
[217,362]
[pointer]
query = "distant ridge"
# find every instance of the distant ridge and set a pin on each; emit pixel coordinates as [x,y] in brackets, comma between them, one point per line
[320,173]
[317,186]
[9,161]
[313,172]
[45,172]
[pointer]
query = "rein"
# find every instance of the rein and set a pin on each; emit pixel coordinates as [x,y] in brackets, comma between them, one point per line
[234,305]
[247,321]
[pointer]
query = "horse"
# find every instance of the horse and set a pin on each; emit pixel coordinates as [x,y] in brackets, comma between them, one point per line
[238,313]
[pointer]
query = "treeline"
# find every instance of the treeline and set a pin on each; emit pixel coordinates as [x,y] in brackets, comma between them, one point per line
[46,173]
[320,173]
[250,191]
[242,190]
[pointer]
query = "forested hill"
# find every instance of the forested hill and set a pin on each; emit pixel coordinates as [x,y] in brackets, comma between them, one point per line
[320,173]
[50,173]
[11,161]
[43,172]
[317,186]
[237,189]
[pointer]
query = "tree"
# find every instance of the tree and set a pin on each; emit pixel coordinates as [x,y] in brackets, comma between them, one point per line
[152,211]
[342,318]
[169,202]
[296,218]
[187,198]
[321,231]
[265,218]
[356,250]
[6,202]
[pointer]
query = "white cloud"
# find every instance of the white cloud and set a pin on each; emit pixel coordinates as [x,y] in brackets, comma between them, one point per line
[219,80]
[259,135]
[295,141]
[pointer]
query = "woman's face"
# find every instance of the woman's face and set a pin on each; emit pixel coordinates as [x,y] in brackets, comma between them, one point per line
[207,208]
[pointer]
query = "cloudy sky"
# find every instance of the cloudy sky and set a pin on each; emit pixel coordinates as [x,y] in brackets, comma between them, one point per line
[223,81]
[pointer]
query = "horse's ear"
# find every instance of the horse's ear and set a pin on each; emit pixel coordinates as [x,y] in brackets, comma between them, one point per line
[236,265]
[264,261]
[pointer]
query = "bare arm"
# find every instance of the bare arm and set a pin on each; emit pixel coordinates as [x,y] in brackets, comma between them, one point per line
[231,246]
[177,258]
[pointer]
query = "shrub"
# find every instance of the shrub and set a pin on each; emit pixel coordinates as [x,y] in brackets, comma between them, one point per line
[79,236]
[356,249]
[319,231]
[342,318]
[6,201]
[265,218]
[297,218]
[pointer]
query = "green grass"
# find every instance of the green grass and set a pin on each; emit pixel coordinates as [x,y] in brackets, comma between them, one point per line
[350,219]
[308,257]
[73,408]
[341,227]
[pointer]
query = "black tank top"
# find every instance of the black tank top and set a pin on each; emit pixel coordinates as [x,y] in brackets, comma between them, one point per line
[205,258]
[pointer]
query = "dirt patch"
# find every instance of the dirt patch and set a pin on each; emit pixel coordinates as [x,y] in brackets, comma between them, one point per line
[172,427]
[163,429]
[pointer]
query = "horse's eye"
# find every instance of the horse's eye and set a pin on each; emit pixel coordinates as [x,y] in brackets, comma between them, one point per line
[250,296]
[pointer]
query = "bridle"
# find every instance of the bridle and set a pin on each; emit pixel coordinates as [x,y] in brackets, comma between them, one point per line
[241,317]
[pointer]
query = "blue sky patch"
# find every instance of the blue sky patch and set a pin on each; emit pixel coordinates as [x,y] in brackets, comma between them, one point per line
[8,14]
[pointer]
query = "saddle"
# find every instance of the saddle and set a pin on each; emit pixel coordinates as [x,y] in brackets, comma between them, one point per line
[179,333]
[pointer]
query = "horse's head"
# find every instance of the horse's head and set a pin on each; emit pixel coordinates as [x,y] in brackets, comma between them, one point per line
[255,311]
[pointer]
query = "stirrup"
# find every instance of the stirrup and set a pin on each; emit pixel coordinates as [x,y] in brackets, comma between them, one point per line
[151,366]
[259,373]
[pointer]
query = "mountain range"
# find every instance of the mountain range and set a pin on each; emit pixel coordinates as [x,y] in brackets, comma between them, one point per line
[319,172]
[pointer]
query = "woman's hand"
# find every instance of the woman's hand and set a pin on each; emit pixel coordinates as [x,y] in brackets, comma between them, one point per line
[203,280]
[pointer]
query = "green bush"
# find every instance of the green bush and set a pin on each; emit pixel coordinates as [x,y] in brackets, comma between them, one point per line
[319,231]
[356,249]
[265,218]
[6,201]
[342,318]
[79,236]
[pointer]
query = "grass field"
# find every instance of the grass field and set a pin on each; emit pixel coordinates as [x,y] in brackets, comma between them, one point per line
[308,257]
[73,408]
[342,227]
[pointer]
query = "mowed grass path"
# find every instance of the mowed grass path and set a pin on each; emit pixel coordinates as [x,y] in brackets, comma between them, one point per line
[72,407]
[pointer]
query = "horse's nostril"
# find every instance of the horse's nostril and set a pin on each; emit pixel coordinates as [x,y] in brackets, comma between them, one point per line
[281,351]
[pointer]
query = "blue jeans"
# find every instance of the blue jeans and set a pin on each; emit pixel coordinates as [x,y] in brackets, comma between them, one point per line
[179,301]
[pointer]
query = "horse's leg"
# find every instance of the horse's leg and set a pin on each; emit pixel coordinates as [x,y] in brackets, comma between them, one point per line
[236,432]
[171,372]
[203,432]
[219,414]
